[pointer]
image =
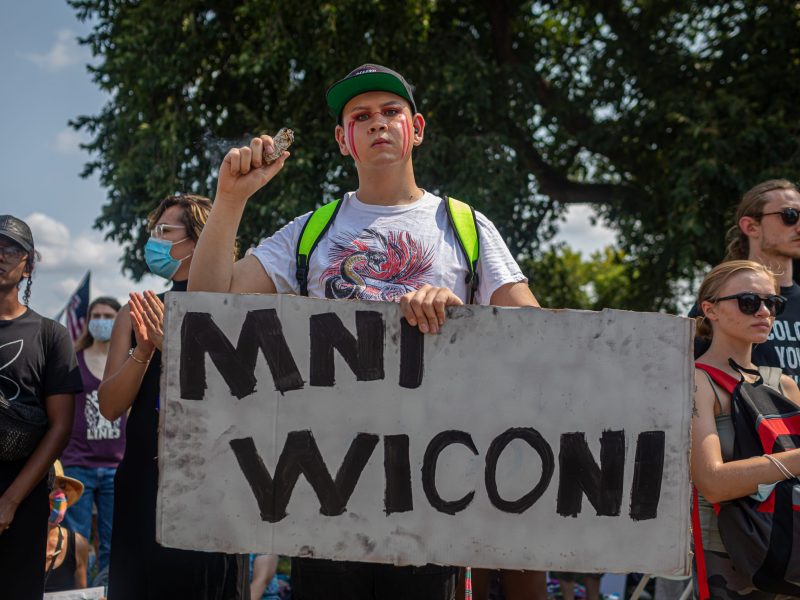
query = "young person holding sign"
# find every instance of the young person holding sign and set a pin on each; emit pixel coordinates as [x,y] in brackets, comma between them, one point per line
[388,240]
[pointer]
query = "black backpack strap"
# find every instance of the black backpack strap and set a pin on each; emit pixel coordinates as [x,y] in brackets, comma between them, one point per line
[56,552]
[742,370]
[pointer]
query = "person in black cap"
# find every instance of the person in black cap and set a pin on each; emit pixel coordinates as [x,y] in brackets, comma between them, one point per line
[390,241]
[39,377]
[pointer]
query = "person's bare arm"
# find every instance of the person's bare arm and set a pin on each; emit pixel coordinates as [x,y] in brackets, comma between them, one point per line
[81,560]
[249,277]
[60,409]
[719,481]
[242,173]
[514,294]
[123,375]
[264,568]
[790,389]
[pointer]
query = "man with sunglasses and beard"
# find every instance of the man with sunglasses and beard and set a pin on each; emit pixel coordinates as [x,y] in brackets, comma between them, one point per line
[767,230]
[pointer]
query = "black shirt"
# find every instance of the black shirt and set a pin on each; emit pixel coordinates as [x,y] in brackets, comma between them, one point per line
[36,360]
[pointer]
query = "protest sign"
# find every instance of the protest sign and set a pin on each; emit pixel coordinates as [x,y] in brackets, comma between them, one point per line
[517,438]
[95,593]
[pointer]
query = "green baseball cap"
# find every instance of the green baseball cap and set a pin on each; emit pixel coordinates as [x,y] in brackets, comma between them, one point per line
[367,78]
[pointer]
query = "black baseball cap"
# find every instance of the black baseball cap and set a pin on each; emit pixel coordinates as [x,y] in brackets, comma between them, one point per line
[367,78]
[17,231]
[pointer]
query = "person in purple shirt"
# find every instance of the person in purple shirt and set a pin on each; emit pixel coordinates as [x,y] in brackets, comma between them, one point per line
[97,444]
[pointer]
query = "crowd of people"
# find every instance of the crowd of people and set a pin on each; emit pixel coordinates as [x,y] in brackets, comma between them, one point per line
[96,406]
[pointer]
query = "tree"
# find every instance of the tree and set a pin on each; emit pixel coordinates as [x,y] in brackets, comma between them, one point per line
[660,114]
[562,278]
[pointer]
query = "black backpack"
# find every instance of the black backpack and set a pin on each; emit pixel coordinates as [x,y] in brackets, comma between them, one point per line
[762,538]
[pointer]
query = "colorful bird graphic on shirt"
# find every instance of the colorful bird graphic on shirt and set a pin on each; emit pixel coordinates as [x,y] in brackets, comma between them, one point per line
[374,266]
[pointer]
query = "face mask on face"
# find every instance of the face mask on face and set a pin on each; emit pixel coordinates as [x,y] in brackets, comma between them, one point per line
[158,258]
[101,329]
[58,506]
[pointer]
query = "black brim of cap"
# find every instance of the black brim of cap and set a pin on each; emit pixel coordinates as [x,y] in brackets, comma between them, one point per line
[18,240]
[342,92]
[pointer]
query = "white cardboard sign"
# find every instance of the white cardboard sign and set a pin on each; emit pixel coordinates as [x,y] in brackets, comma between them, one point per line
[95,593]
[517,438]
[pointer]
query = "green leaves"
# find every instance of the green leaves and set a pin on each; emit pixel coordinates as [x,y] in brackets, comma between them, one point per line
[659,114]
[563,278]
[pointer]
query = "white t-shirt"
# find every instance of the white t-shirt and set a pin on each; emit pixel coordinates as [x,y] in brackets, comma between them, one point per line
[375,252]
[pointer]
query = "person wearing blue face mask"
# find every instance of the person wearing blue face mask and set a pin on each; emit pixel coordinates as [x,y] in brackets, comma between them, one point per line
[158,250]
[97,444]
[139,567]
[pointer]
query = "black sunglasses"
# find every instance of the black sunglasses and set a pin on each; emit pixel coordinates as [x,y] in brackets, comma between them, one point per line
[789,216]
[749,303]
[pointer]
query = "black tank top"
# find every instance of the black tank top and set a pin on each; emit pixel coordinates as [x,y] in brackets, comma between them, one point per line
[140,568]
[62,578]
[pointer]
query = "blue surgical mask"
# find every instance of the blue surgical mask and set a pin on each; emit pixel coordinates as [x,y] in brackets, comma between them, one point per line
[158,258]
[764,490]
[101,329]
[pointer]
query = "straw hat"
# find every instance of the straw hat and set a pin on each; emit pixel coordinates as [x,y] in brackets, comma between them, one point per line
[72,487]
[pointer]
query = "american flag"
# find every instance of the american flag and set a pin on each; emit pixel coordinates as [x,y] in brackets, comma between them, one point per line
[76,308]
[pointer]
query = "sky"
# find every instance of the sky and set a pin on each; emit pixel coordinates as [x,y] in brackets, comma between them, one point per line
[45,84]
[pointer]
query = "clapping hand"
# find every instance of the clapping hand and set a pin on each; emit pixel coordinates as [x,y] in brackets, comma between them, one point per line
[147,314]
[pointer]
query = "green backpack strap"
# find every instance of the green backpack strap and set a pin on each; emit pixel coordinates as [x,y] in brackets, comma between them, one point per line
[460,214]
[316,226]
[462,218]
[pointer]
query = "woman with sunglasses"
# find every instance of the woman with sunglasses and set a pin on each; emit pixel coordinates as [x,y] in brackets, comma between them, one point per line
[140,568]
[738,301]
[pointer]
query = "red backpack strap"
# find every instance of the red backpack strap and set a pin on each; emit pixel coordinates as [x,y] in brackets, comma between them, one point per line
[699,553]
[721,378]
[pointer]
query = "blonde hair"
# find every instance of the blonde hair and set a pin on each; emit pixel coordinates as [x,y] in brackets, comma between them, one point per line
[751,205]
[717,278]
[194,214]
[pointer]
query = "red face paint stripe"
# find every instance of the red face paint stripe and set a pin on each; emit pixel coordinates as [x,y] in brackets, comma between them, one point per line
[406,134]
[351,141]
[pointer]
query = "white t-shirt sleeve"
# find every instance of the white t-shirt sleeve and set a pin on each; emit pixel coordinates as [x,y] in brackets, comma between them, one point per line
[277,255]
[496,266]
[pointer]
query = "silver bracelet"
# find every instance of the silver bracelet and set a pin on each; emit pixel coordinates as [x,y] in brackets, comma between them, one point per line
[781,467]
[138,360]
